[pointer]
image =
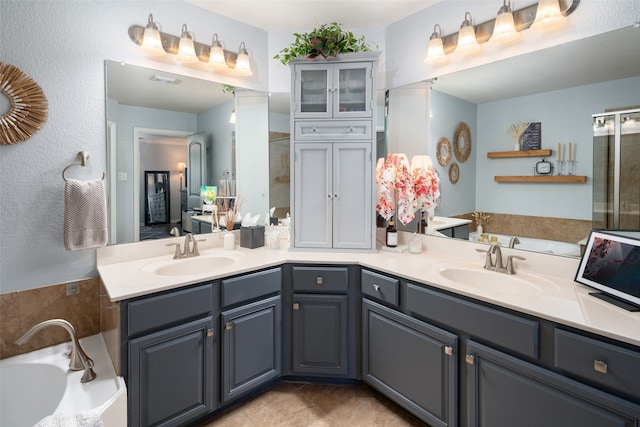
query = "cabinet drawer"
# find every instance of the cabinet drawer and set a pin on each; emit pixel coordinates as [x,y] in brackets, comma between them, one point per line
[380,287]
[598,362]
[251,286]
[320,279]
[502,329]
[331,130]
[158,311]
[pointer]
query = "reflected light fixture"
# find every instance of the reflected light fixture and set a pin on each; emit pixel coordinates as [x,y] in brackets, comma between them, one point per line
[467,42]
[243,65]
[151,42]
[435,49]
[181,166]
[232,119]
[504,30]
[216,55]
[186,50]
[548,15]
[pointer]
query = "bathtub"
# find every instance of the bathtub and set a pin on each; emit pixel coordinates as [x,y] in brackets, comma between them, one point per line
[536,245]
[37,384]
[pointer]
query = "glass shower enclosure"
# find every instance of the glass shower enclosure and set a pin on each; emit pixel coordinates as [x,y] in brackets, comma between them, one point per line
[616,170]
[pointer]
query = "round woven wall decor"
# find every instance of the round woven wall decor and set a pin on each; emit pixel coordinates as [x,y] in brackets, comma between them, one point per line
[28,105]
[462,152]
[454,173]
[444,151]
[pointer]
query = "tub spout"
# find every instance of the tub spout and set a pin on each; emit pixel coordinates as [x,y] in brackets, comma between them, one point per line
[513,242]
[79,359]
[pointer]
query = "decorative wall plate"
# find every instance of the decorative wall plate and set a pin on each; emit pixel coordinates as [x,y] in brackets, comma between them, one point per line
[454,173]
[462,152]
[444,151]
[27,105]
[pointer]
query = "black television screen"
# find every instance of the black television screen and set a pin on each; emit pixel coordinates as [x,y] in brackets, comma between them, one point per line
[611,264]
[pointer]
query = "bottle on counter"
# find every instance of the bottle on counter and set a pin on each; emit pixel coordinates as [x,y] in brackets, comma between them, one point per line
[422,224]
[392,235]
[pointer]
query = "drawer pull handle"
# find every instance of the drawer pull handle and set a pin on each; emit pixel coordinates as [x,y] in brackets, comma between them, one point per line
[600,366]
[210,333]
[448,350]
[376,287]
[469,359]
[319,280]
[296,306]
[228,326]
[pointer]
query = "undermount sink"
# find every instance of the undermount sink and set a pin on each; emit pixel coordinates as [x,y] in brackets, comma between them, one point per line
[500,283]
[188,266]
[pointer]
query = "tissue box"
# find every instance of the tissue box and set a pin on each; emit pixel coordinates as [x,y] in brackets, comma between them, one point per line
[252,237]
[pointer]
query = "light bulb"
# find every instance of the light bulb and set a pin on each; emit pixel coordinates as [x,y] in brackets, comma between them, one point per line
[216,55]
[467,42]
[151,41]
[243,64]
[548,15]
[186,50]
[504,29]
[435,49]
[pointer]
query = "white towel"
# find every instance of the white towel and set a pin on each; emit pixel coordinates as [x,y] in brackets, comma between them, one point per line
[74,420]
[85,214]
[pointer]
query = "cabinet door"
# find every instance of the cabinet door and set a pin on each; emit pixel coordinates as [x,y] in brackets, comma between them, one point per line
[353,208]
[312,195]
[411,362]
[352,90]
[319,335]
[506,391]
[312,91]
[251,353]
[171,375]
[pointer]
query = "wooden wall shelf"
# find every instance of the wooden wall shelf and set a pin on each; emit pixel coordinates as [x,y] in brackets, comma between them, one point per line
[543,178]
[528,153]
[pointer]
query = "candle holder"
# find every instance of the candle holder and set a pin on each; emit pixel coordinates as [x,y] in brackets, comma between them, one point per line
[571,167]
[560,170]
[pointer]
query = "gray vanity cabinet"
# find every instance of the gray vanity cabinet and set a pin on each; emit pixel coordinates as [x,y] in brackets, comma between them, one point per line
[411,362]
[507,391]
[171,356]
[333,150]
[322,329]
[333,195]
[252,332]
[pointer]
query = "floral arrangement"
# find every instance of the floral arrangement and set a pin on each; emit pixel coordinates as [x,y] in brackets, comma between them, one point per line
[328,40]
[480,217]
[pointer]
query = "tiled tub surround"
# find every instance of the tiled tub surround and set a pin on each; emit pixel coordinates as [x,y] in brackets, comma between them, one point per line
[21,310]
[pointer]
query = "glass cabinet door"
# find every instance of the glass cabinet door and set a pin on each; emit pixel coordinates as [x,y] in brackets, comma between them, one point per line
[352,94]
[312,92]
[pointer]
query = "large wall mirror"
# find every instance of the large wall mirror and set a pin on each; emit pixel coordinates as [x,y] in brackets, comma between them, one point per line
[163,121]
[561,87]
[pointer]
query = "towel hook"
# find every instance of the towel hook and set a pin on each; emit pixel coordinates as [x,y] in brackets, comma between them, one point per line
[84,158]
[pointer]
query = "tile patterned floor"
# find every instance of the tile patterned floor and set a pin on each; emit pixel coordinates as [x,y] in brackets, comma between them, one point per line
[316,405]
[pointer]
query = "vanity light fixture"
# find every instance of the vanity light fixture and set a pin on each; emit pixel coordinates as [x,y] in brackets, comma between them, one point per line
[216,55]
[523,19]
[467,42]
[151,42]
[548,15]
[186,49]
[504,30]
[243,65]
[435,50]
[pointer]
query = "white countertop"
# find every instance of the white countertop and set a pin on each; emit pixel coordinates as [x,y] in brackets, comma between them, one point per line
[559,299]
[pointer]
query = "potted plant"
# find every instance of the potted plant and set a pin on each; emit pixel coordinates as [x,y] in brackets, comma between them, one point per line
[328,40]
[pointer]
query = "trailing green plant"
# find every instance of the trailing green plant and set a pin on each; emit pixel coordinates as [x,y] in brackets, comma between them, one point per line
[328,40]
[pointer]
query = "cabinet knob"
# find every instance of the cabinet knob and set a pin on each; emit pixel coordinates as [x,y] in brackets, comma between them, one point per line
[448,350]
[314,129]
[600,366]
[210,333]
[329,196]
[351,129]
[296,306]
[469,359]
[376,287]
[335,196]
[319,280]
[228,326]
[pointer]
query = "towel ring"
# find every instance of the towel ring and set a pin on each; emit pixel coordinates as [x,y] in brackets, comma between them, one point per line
[84,157]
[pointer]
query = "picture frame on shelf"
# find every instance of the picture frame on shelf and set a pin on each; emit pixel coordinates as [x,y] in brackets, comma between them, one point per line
[532,137]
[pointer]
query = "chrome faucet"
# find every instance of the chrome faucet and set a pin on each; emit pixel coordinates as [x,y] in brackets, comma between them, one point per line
[188,250]
[495,249]
[513,242]
[489,263]
[78,358]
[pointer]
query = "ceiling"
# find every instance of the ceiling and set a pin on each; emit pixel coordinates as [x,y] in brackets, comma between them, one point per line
[295,15]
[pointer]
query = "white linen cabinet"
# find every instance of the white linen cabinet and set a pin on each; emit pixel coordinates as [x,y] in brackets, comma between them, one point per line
[333,118]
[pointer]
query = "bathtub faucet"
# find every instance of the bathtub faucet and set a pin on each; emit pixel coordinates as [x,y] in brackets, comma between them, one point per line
[79,359]
[513,242]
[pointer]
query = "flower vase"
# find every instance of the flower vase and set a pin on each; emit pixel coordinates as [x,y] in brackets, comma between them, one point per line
[229,241]
[479,229]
